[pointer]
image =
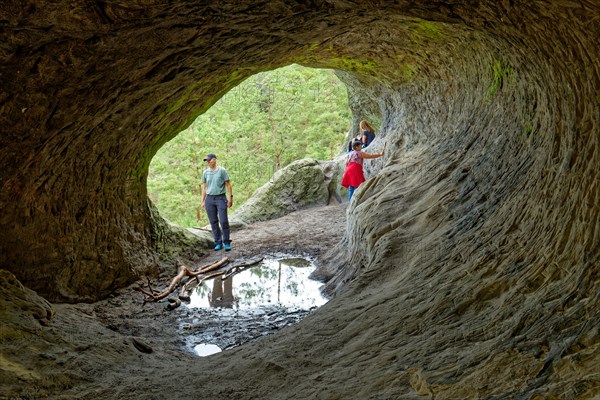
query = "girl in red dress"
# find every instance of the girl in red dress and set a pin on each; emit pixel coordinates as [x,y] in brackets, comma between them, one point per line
[354,174]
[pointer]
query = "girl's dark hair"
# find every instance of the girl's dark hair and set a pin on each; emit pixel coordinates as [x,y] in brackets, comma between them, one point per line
[356,143]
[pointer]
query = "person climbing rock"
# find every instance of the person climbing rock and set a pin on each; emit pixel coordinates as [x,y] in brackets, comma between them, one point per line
[351,142]
[354,175]
[368,133]
[215,180]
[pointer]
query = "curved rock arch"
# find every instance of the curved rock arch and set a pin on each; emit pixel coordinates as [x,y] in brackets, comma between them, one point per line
[486,204]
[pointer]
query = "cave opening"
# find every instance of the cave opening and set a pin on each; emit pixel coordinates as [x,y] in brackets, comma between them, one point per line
[268,121]
[474,275]
[262,125]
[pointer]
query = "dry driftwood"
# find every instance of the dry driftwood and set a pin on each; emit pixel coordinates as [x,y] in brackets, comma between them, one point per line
[183,272]
[197,277]
[240,267]
[185,292]
[173,303]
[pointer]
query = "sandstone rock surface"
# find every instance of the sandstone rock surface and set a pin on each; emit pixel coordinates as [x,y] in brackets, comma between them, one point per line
[301,184]
[470,264]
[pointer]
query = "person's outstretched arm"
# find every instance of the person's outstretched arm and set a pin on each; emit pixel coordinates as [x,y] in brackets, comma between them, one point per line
[367,155]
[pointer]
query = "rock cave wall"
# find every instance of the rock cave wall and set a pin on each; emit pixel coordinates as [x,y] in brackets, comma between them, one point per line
[473,269]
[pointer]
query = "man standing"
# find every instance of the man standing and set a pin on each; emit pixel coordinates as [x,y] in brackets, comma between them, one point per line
[214,182]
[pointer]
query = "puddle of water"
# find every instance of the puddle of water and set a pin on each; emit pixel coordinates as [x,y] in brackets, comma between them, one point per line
[282,282]
[255,302]
[205,349]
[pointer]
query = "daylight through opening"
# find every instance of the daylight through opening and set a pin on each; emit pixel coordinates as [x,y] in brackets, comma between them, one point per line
[262,125]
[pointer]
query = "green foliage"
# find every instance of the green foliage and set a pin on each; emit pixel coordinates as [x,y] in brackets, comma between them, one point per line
[260,126]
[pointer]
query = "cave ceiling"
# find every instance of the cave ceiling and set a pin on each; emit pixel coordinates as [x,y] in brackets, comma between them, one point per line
[489,191]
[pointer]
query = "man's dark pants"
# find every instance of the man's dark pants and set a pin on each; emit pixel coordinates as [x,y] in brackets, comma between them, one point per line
[216,208]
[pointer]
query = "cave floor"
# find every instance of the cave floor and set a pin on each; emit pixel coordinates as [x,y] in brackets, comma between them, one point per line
[305,233]
[87,349]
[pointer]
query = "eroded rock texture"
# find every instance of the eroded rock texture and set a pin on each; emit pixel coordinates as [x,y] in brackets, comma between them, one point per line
[472,269]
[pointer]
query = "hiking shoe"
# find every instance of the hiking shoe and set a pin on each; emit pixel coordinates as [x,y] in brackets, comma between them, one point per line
[227,246]
[218,247]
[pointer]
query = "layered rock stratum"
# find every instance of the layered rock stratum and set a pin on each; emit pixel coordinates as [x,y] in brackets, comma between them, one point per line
[469,268]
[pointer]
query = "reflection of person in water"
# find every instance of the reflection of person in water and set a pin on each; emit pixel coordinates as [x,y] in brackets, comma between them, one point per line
[222,293]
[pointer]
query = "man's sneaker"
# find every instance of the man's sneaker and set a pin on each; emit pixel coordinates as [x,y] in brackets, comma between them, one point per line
[218,246]
[227,246]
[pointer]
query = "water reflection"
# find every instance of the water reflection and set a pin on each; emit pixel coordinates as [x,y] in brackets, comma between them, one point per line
[284,282]
[222,293]
[206,349]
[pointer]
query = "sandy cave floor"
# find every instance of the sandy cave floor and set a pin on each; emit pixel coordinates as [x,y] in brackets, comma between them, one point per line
[307,233]
[88,350]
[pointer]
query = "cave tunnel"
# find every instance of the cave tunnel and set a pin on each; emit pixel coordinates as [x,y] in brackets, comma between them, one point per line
[470,264]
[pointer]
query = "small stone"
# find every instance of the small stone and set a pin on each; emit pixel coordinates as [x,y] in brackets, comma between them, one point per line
[141,346]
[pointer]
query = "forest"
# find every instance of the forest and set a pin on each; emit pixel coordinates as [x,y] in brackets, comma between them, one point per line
[260,126]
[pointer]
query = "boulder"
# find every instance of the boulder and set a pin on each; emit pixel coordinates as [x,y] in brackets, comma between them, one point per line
[301,184]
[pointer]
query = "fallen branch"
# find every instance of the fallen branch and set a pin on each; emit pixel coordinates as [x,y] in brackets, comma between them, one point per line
[183,271]
[173,303]
[212,266]
[150,286]
[202,229]
[240,267]
[185,293]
